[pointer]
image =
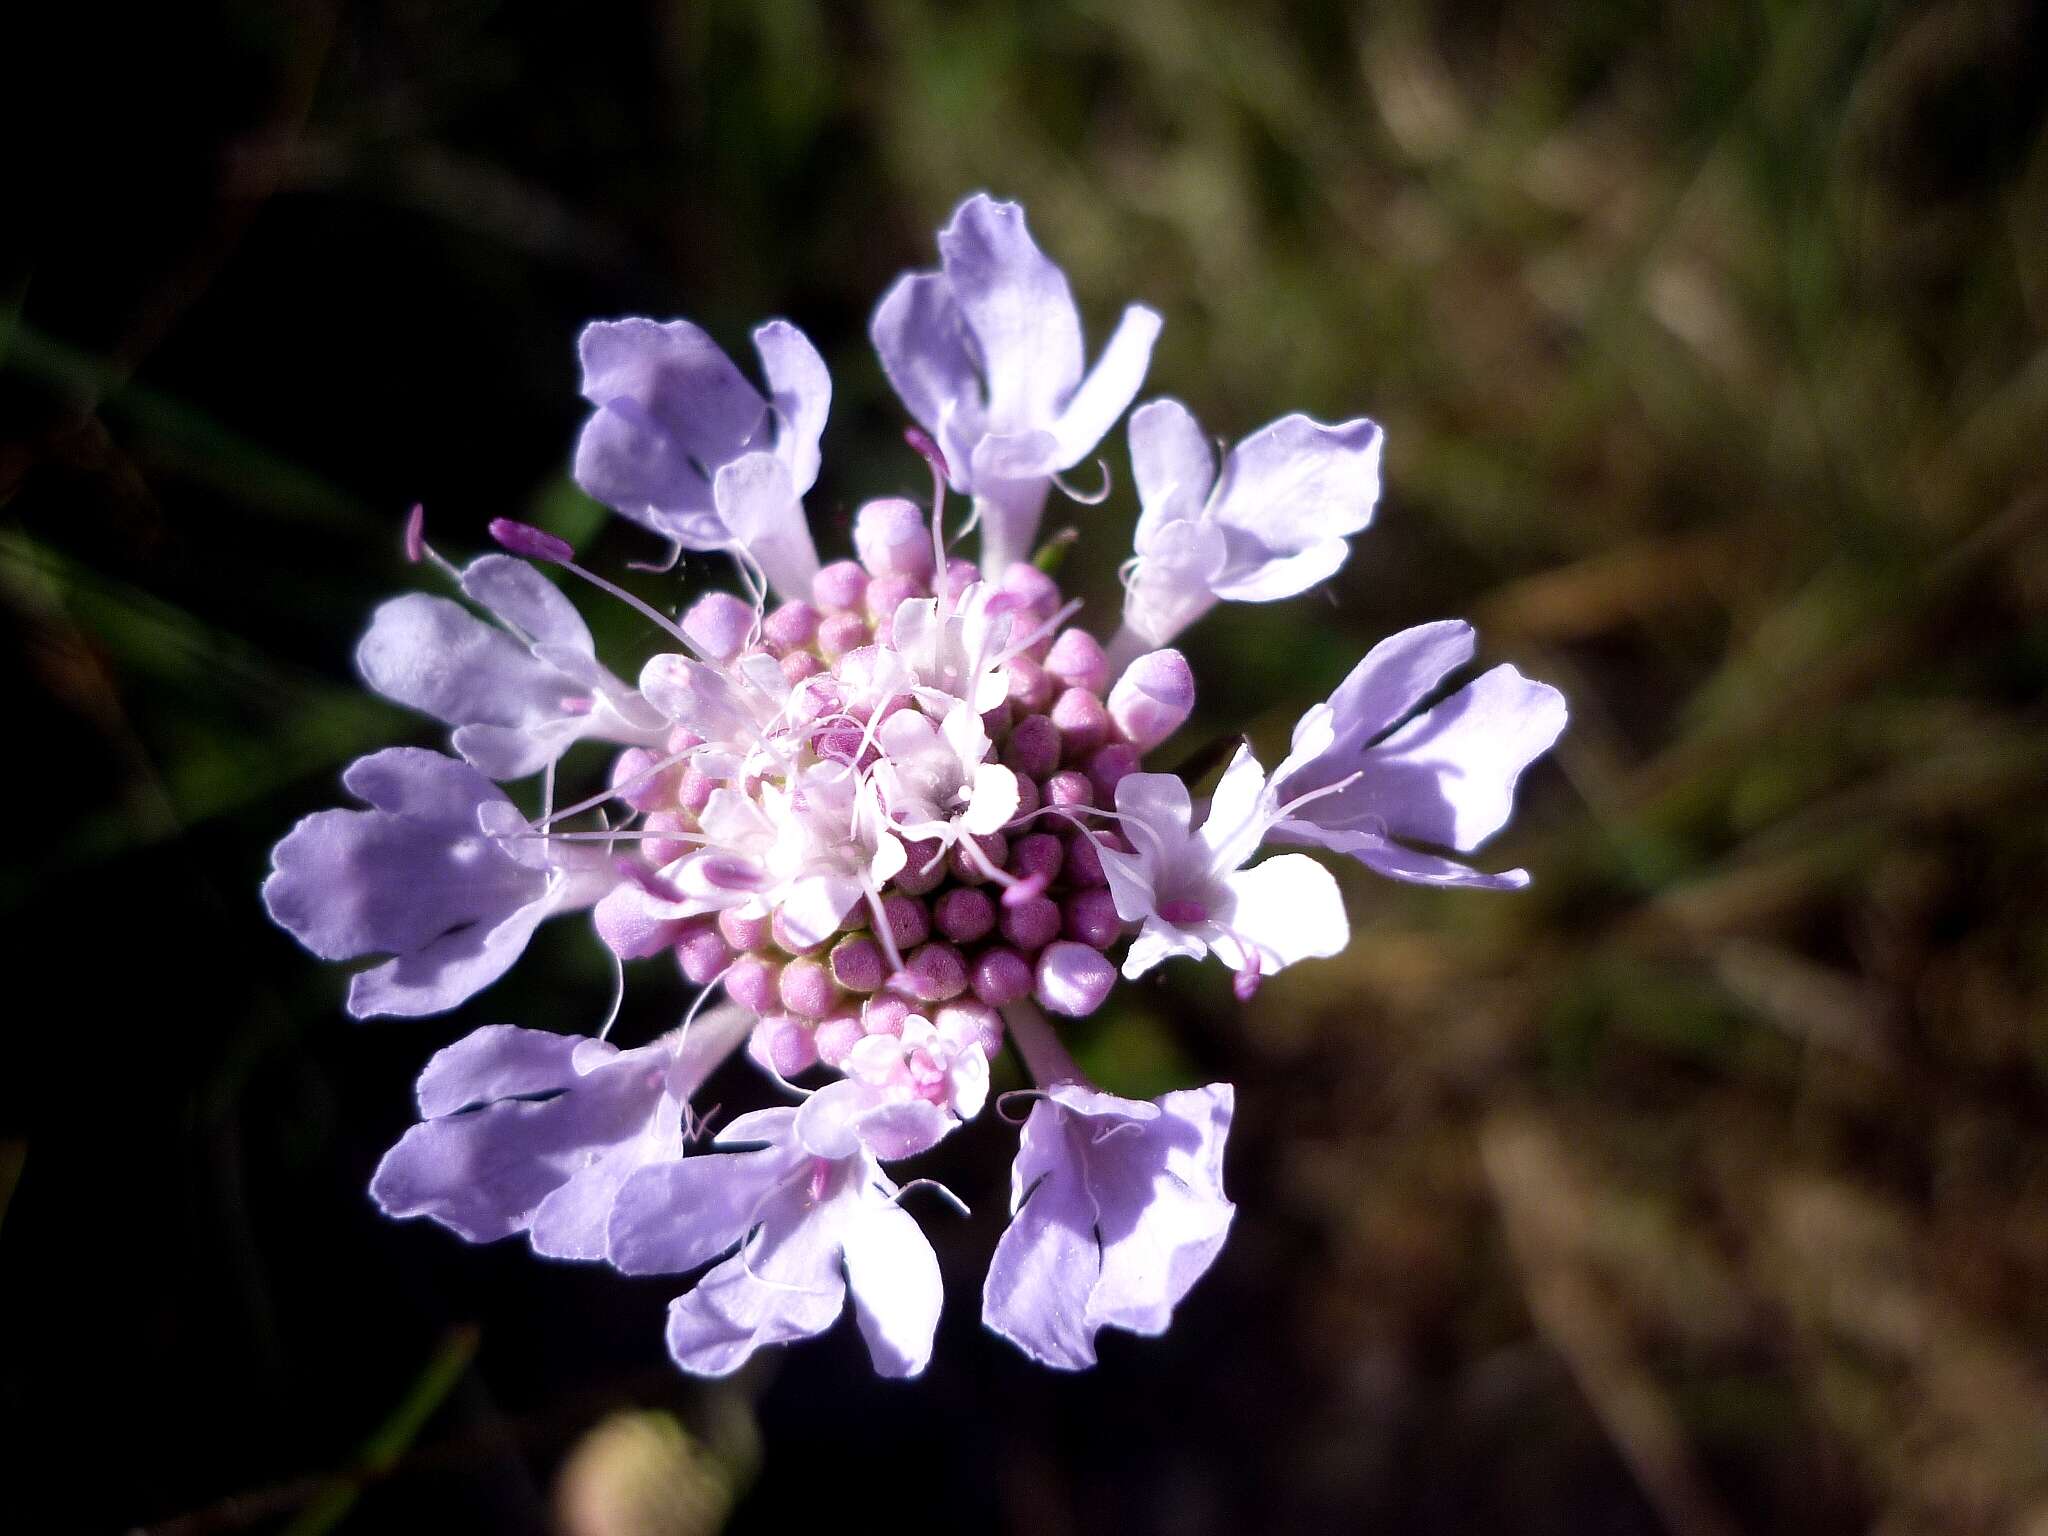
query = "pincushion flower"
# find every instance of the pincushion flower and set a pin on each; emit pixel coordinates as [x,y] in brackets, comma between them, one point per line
[889,816]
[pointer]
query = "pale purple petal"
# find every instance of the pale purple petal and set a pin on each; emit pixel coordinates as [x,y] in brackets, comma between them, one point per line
[783,1285]
[1110,386]
[801,391]
[1165,1218]
[1019,309]
[670,407]
[1262,576]
[758,504]
[1448,776]
[435,656]
[397,878]
[519,595]
[1047,1260]
[1296,483]
[1173,463]
[451,969]
[921,338]
[673,1216]
[485,1173]
[1394,677]
[1389,858]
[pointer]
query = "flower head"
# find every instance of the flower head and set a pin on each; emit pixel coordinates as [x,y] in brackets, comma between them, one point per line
[894,810]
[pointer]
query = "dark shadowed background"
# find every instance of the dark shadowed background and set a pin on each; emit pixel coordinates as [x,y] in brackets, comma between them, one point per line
[1701,1188]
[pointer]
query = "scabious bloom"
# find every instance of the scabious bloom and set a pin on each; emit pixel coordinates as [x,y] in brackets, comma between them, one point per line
[889,815]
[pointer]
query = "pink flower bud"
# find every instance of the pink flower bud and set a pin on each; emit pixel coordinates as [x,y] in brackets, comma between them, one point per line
[1001,976]
[914,879]
[693,789]
[799,665]
[666,850]
[1033,749]
[642,790]
[784,1045]
[836,1036]
[806,989]
[1073,979]
[1038,592]
[1089,917]
[1076,659]
[743,932]
[935,973]
[1037,854]
[1069,787]
[1083,723]
[839,587]
[909,924]
[1032,924]
[1031,686]
[843,632]
[629,926]
[789,628]
[752,983]
[1152,699]
[857,963]
[891,539]
[888,593]
[968,869]
[884,1013]
[720,623]
[702,953]
[1109,767]
[964,914]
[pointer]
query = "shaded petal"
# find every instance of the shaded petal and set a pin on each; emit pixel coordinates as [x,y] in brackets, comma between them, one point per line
[485,1173]
[679,378]
[1388,858]
[1395,676]
[1173,464]
[434,655]
[1448,776]
[1048,1259]
[450,970]
[758,503]
[1110,386]
[1297,482]
[519,595]
[921,337]
[673,1216]
[349,883]
[800,389]
[714,1329]
[1165,1218]
[1268,578]
[1156,943]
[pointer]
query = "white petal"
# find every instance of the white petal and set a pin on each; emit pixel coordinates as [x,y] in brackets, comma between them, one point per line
[1290,909]
[897,1292]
